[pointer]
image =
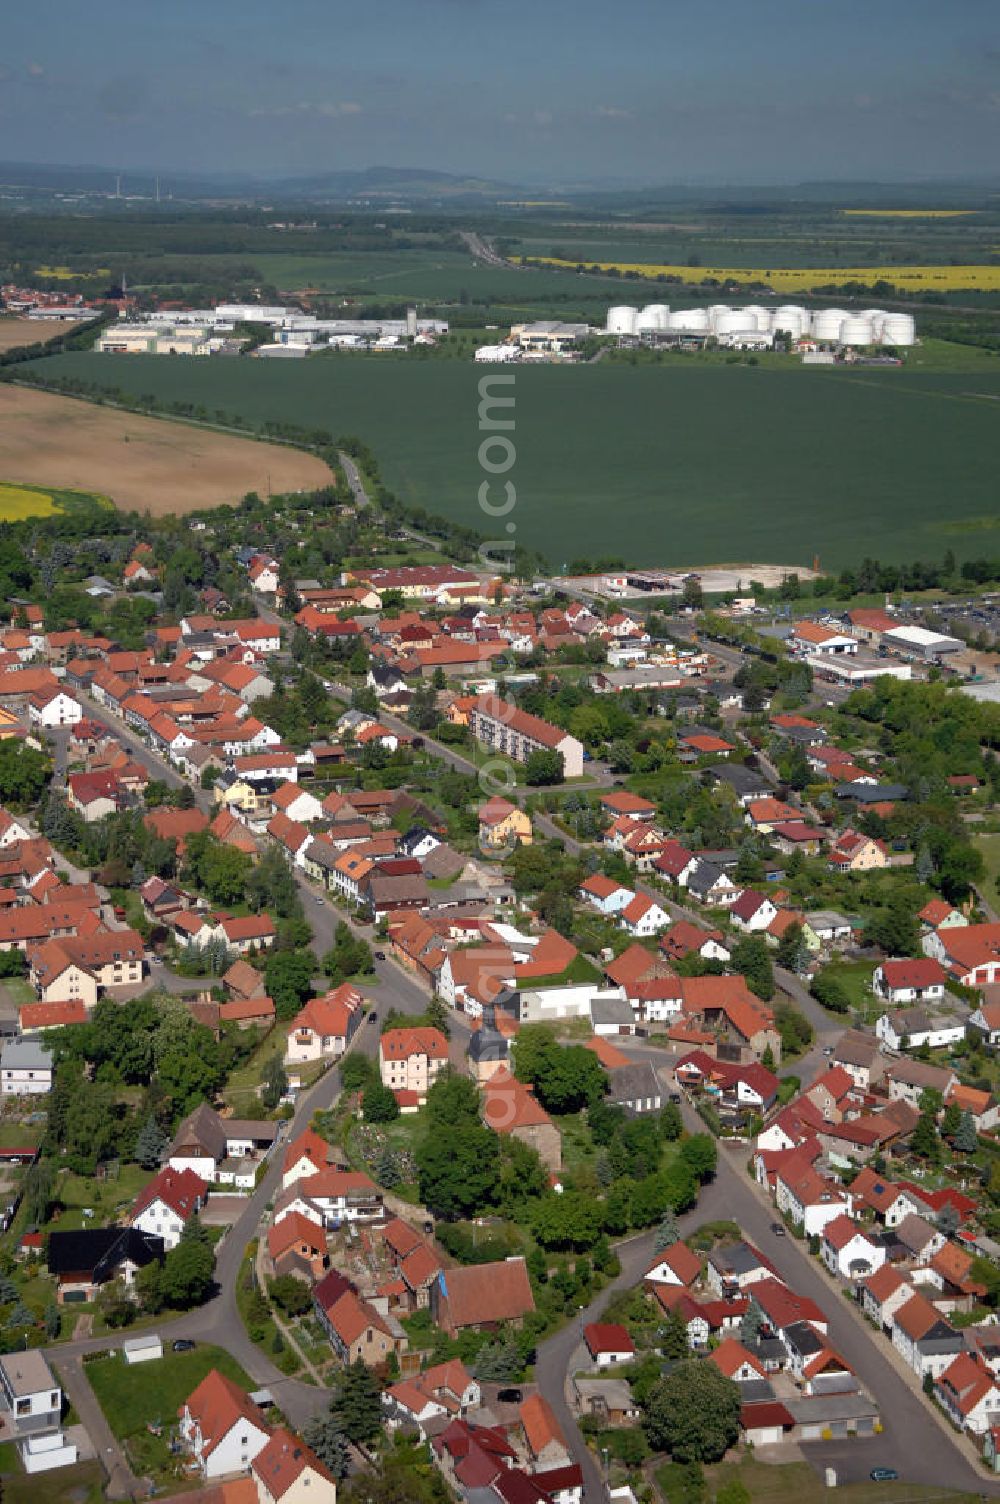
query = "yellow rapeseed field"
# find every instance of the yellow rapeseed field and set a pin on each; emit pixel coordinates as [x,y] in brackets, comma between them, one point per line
[803,279]
[19,502]
[65,273]
[912,213]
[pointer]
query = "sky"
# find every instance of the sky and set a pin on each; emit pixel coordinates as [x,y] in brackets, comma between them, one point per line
[526,91]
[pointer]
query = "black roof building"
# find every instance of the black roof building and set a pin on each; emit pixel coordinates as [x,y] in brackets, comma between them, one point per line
[100,1252]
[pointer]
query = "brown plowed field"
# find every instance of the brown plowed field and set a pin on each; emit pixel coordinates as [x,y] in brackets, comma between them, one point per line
[146,464]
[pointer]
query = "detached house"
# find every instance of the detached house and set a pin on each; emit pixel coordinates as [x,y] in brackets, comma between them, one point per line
[853,852]
[323,1028]
[910,981]
[752,911]
[967,1392]
[168,1201]
[410,1060]
[221,1427]
[502,826]
[848,1251]
[286,1470]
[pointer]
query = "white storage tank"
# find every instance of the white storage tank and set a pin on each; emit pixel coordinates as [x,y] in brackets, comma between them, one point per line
[653,316]
[716,310]
[622,319]
[734,321]
[791,319]
[693,319]
[827,321]
[756,317]
[857,331]
[898,329]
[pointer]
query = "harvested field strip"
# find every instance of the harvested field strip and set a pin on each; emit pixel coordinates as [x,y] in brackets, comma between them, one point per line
[145,464]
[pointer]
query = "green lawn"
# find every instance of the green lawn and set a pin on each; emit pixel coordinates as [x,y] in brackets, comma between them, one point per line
[104,1197]
[989,846]
[133,1398]
[241,1088]
[794,1481]
[856,979]
[81,1484]
[14,1135]
[19,990]
[686,499]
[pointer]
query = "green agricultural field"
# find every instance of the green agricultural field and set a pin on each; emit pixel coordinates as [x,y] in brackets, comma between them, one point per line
[670,464]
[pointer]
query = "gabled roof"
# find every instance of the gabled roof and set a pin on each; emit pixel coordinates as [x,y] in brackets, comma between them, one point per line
[217,1405]
[917,1317]
[921,971]
[284,1460]
[181,1190]
[309,1145]
[679,1258]
[968,1382]
[607,1337]
[541,1428]
[730,1356]
[292,1230]
[884,1282]
[482,1293]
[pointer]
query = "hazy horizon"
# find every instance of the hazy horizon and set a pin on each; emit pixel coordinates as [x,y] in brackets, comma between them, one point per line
[652,92]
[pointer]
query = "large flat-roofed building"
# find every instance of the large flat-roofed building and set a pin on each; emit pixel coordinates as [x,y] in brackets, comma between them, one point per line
[920,642]
[516,734]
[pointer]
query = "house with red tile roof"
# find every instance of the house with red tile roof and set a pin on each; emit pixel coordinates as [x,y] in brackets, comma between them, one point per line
[170,1200]
[608,1343]
[923,1338]
[642,917]
[882,1293]
[685,938]
[969,953]
[801,1193]
[848,1251]
[482,1296]
[412,1059]
[938,914]
[287,1470]
[297,1245]
[305,1155]
[950,1270]
[733,1360]
[221,1427]
[782,1307]
[510,1106]
[545,1441]
[676,1265]
[323,1027]
[882,1198]
[358,1332]
[911,980]
[968,1394]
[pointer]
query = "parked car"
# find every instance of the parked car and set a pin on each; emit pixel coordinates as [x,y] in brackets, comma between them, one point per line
[778,1228]
[509,1396]
[183,1345]
[883,1475]
[380,955]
